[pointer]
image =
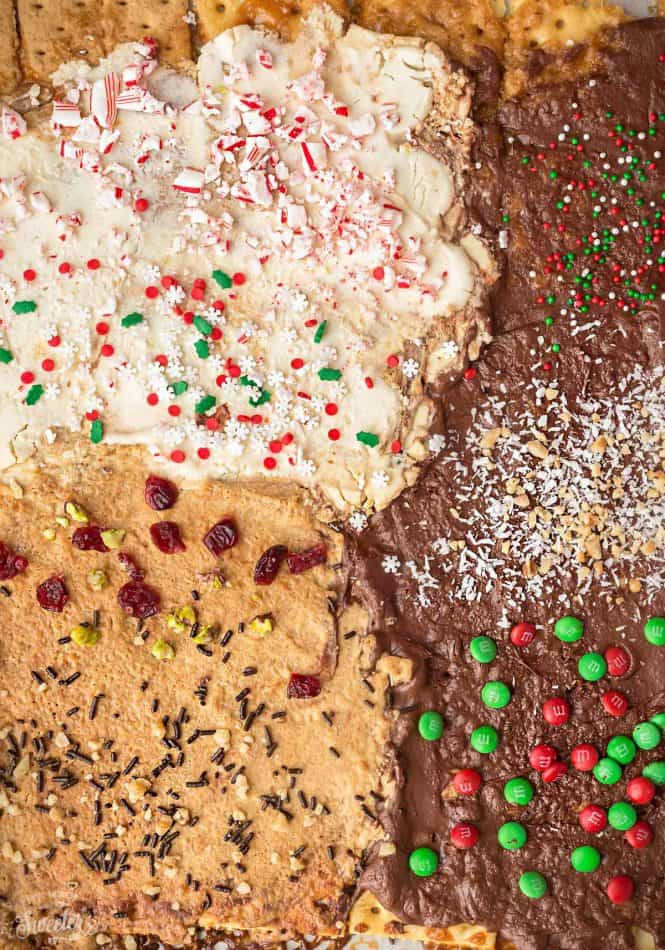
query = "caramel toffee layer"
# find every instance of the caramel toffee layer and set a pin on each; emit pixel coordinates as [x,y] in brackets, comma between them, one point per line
[546,501]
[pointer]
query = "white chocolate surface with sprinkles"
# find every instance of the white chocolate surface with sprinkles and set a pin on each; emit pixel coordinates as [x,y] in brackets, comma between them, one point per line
[255,278]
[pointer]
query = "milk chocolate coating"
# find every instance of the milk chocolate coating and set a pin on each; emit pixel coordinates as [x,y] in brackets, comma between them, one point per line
[598,351]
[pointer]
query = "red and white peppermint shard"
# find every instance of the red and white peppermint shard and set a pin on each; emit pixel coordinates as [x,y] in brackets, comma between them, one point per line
[66,114]
[264,58]
[12,124]
[104,100]
[189,181]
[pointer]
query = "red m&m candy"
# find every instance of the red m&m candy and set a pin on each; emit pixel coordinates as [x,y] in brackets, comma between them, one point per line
[618,661]
[640,835]
[556,711]
[584,757]
[464,835]
[614,703]
[542,756]
[640,790]
[522,634]
[467,782]
[593,819]
[620,889]
[554,771]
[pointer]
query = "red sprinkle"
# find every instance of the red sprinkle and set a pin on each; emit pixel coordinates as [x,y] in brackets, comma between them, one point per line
[141,204]
[470,373]
[107,350]
[239,279]
[93,264]
[270,463]
[102,328]
[334,434]
[64,268]
[152,399]
[152,292]
[29,274]
[27,377]
[178,456]
[392,360]
[48,366]
[331,409]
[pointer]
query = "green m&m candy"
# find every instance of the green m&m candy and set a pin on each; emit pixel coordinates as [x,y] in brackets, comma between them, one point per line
[483,649]
[592,667]
[622,749]
[659,720]
[585,859]
[495,694]
[607,771]
[484,739]
[569,629]
[533,884]
[654,631]
[423,862]
[430,725]
[518,791]
[655,771]
[512,836]
[621,816]
[647,735]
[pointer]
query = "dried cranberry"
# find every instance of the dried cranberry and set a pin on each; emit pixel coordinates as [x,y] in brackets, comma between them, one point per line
[304,560]
[160,493]
[52,594]
[130,566]
[166,537]
[89,538]
[11,563]
[221,537]
[302,686]
[268,564]
[139,600]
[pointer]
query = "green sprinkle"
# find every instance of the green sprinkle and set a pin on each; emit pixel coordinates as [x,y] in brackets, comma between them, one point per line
[556,347]
[585,859]
[484,739]
[96,431]
[24,306]
[179,388]
[483,649]
[328,374]
[622,749]
[607,771]
[533,885]
[495,694]
[264,396]
[621,816]
[655,771]
[512,836]
[367,438]
[659,720]
[654,631]
[203,326]
[320,330]
[222,279]
[423,862]
[204,404]
[569,629]
[202,349]
[647,735]
[6,356]
[132,320]
[592,667]
[35,393]
[518,791]
[430,725]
